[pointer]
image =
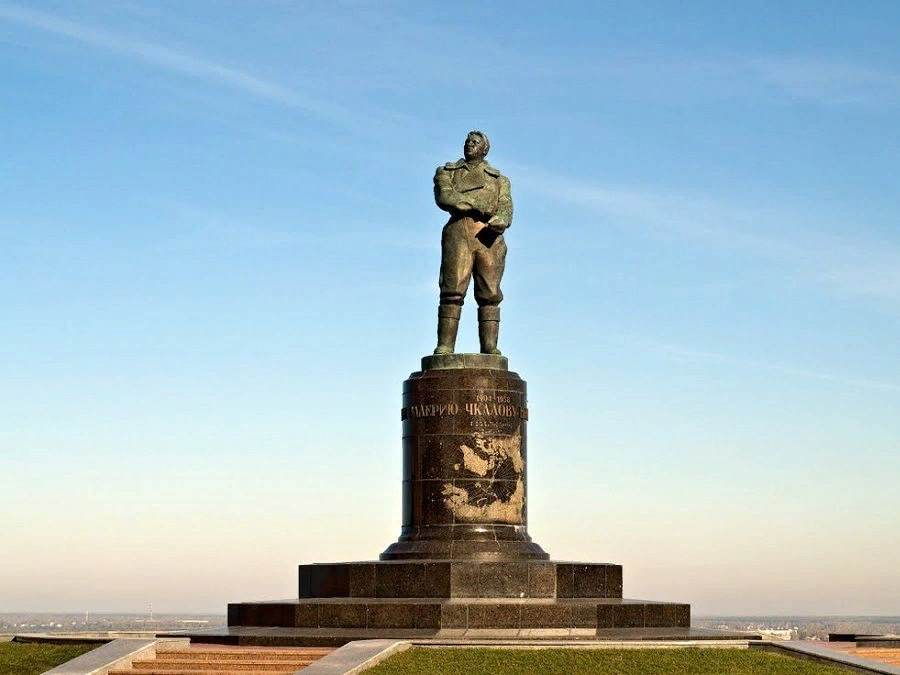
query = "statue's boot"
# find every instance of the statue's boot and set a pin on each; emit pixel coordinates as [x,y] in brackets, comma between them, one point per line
[448,324]
[488,329]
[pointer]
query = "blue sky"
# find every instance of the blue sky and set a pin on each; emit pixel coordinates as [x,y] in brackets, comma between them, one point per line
[220,259]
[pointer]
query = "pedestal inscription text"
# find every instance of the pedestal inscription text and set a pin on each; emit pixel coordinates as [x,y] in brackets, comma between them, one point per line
[490,405]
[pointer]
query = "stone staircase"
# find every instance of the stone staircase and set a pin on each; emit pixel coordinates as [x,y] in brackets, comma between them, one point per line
[887,655]
[226,660]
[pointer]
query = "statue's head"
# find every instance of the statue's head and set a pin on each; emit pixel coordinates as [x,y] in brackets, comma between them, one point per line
[476,145]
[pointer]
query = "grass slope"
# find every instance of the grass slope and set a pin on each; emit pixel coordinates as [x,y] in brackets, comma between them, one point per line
[34,658]
[687,661]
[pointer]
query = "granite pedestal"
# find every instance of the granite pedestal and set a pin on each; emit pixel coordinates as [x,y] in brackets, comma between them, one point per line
[464,447]
[464,563]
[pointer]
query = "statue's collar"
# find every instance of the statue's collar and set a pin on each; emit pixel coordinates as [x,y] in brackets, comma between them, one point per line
[481,163]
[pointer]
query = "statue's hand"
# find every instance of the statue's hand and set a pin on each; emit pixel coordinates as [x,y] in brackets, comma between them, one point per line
[469,209]
[496,224]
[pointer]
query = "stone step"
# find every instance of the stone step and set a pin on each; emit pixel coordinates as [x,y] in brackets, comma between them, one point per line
[227,660]
[460,613]
[221,664]
[206,653]
[461,579]
[886,655]
[162,670]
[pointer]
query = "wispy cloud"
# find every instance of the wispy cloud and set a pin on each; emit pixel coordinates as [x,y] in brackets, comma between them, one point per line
[178,62]
[788,236]
[205,228]
[828,82]
[693,216]
[687,355]
[701,76]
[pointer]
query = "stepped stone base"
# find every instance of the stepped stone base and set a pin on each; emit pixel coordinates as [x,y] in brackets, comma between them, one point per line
[464,565]
[452,598]
[461,579]
[460,614]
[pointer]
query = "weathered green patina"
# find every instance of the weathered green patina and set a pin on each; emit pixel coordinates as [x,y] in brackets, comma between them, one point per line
[477,197]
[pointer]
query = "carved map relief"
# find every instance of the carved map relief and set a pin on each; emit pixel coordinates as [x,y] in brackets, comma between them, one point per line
[497,491]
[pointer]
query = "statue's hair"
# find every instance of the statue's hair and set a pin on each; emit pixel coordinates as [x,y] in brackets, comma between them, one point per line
[487,143]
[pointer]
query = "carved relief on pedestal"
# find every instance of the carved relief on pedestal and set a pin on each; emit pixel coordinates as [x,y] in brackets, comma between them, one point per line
[498,493]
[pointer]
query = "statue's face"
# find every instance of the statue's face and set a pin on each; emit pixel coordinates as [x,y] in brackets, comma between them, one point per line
[473,147]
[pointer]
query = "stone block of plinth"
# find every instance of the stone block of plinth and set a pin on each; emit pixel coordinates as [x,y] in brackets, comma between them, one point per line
[460,579]
[461,613]
[643,614]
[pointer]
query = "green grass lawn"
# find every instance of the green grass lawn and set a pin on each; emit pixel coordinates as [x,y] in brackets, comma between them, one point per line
[687,661]
[32,658]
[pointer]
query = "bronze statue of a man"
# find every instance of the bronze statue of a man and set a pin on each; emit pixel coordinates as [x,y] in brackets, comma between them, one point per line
[478,199]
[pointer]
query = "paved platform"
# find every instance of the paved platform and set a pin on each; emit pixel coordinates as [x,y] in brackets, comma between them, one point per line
[874,660]
[335,637]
